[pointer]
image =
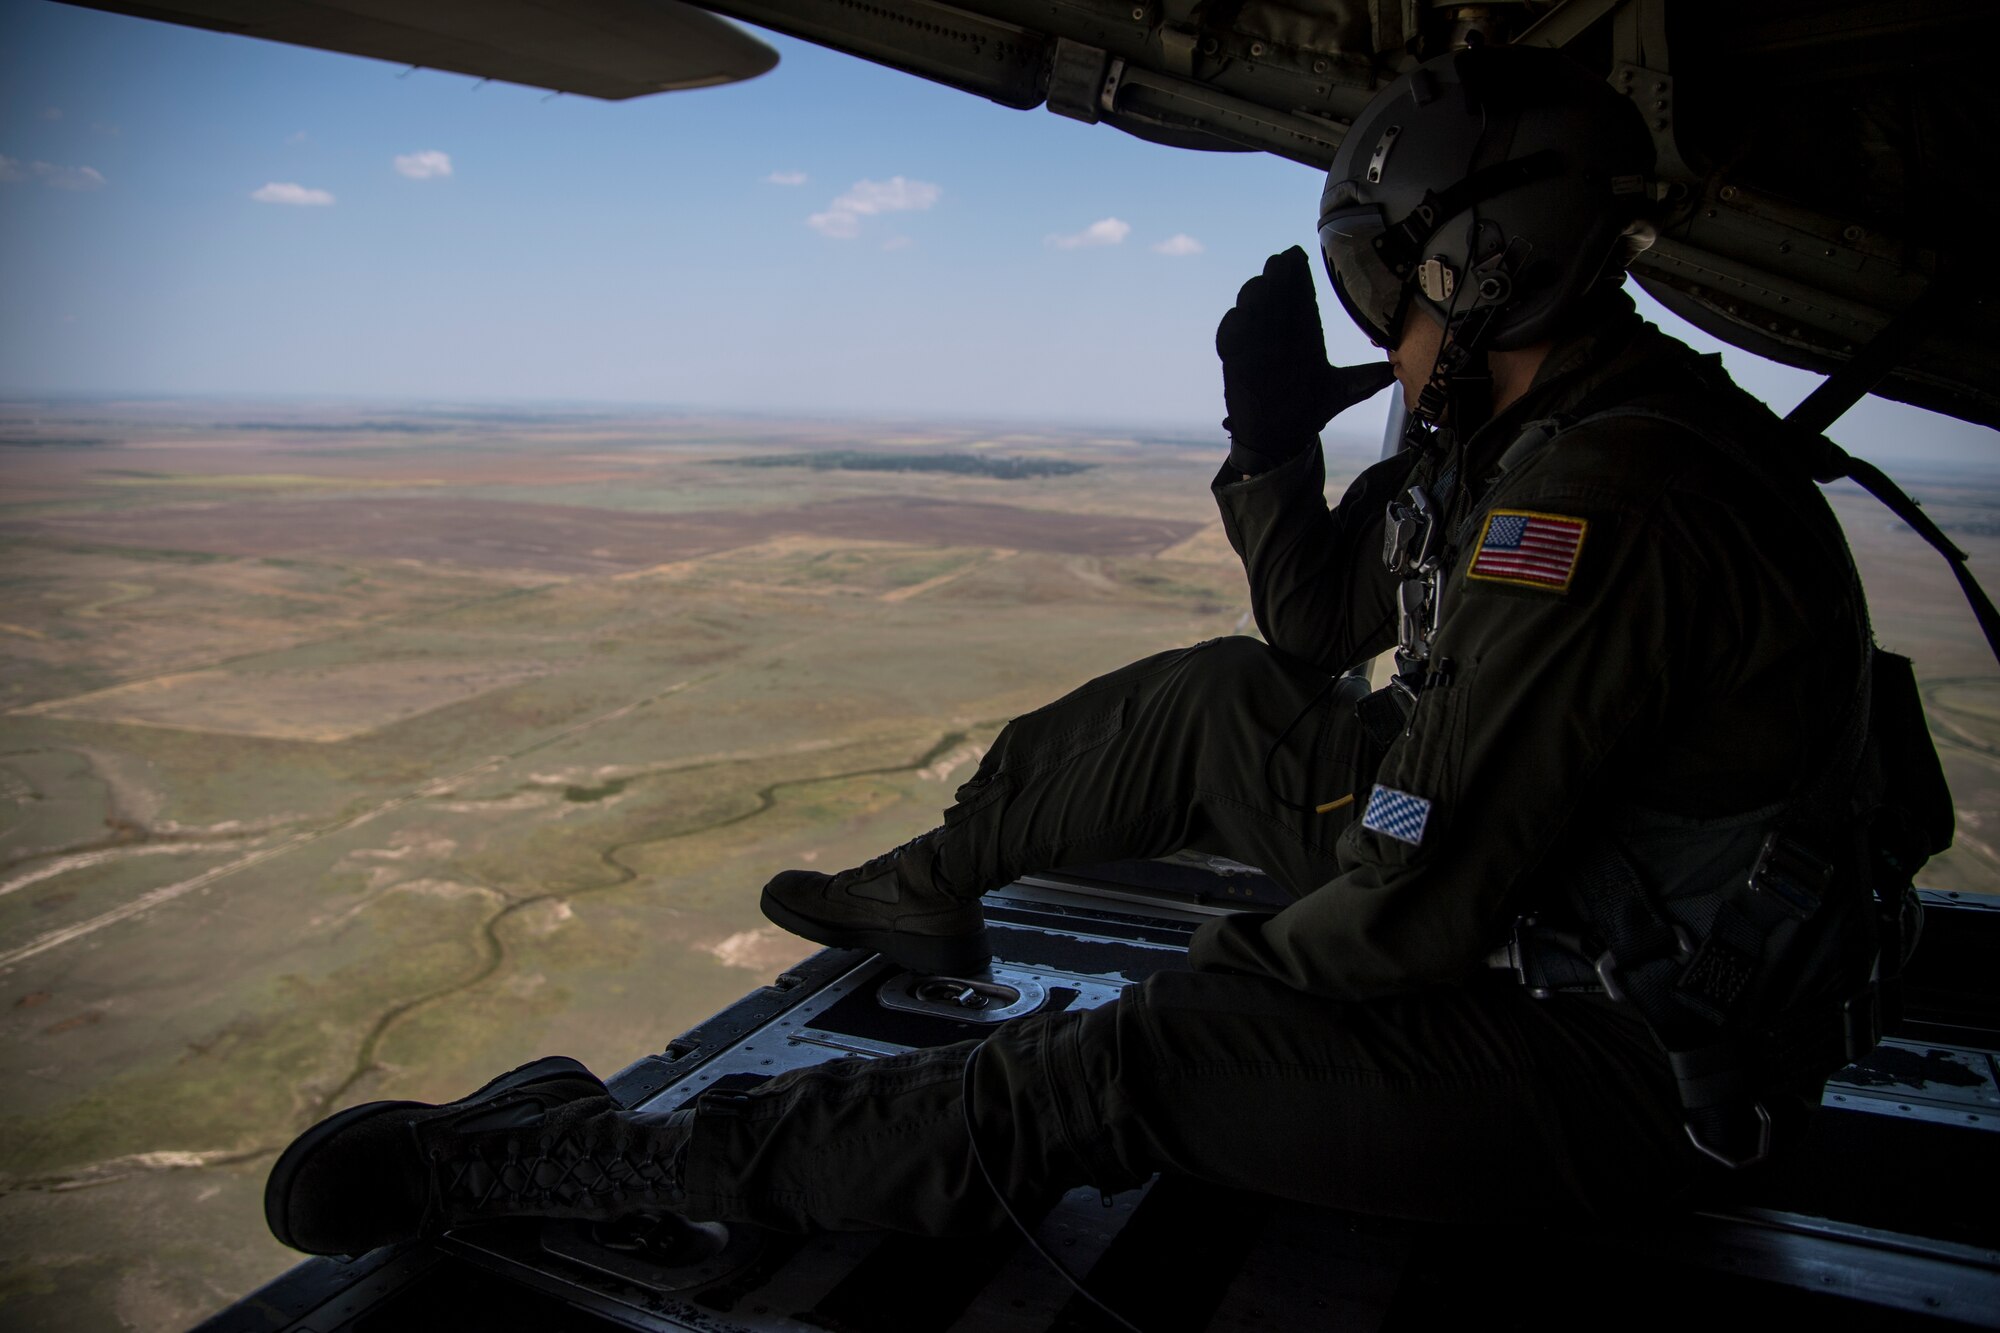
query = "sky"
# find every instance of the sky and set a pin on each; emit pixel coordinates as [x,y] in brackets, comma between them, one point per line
[190,213]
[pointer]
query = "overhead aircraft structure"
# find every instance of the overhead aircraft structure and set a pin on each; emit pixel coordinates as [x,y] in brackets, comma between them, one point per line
[1826,194]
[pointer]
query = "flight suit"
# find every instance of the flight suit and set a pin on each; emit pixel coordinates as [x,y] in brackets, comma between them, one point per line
[1637,635]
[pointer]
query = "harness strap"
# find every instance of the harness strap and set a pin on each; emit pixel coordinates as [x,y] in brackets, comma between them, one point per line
[1873,480]
[1841,390]
[1642,947]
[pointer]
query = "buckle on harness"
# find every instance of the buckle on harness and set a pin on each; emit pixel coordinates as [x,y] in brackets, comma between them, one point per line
[1545,961]
[1517,956]
[1410,534]
[1607,965]
[1762,1151]
[1788,877]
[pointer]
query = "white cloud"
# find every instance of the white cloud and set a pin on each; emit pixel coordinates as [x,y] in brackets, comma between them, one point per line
[286,192]
[1180,243]
[895,195]
[70,178]
[51,175]
[841,226]
[898,243]
[786,178]
[1104,231]
[297,136]
[842,218]
[424,165]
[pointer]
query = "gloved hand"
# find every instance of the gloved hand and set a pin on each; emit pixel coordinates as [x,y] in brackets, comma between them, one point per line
[1276,382]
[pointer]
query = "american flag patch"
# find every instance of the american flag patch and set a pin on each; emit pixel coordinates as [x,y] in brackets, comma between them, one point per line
[1533,550]
[1397,814]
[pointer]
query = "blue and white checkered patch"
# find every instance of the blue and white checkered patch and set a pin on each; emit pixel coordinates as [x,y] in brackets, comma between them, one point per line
[1397,814]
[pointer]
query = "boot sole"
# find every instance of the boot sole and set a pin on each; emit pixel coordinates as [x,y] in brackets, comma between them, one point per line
[934,955]
[278,1189]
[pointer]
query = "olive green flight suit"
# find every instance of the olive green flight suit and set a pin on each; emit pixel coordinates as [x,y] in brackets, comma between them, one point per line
[1673,662]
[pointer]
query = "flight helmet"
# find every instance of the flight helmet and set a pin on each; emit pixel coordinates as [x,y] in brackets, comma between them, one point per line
[1497,187]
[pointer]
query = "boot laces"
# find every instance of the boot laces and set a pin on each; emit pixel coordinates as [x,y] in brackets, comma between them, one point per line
[874,865]
[561,1169]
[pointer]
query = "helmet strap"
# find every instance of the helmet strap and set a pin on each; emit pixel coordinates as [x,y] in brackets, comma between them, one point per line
[1460,384]
[1471,393]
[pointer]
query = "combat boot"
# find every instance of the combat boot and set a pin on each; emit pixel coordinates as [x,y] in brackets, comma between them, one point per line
[545,1140]
[899,904]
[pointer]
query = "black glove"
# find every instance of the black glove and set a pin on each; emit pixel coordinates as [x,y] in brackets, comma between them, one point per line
[1276,382]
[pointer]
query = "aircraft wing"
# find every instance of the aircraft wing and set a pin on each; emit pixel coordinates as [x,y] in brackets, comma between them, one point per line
[1823,163]
[612,49]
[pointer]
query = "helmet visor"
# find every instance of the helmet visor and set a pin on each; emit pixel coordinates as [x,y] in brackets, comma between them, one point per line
[1371,294]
